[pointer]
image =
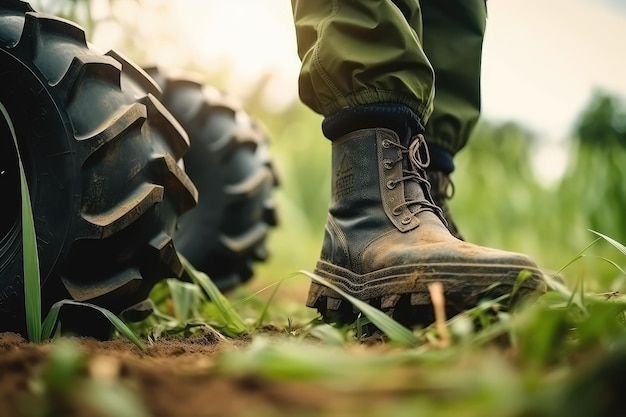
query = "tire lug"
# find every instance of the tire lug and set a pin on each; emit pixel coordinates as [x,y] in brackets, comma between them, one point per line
[333,303]
[389,301]
[420,298]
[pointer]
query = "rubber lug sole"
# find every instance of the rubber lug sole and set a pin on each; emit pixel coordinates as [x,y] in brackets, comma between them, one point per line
[403,293]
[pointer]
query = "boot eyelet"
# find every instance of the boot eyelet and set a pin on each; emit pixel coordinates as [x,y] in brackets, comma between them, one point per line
[406,220]
[386,144]
[396,212]
[391,184]
[388,163]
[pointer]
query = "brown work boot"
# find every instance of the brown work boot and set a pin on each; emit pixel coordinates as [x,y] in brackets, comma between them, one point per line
[443,190]
[385,239]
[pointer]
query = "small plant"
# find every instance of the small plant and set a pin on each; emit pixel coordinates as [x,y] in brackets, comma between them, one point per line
[37,329]
[183,308]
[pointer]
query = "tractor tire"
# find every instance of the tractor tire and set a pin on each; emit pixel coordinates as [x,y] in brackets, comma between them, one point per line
[102,160]
[229,162]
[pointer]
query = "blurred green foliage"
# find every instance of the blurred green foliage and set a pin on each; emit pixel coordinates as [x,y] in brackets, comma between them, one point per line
[502,202]
[600,165]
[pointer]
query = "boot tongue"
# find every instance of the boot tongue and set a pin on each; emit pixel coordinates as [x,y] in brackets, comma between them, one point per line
[413,164]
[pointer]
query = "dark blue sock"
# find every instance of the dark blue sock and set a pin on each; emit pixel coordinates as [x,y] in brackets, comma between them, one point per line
[440,159]
[397,117]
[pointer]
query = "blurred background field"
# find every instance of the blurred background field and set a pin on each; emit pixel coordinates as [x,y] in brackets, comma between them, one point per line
[545,165]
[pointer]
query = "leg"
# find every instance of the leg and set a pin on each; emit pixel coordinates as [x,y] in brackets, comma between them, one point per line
[453,39]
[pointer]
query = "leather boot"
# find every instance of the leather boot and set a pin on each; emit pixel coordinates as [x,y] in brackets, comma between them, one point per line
[385,240]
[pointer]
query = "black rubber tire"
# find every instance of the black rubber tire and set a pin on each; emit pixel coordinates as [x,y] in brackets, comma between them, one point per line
[230,163]
[101,156]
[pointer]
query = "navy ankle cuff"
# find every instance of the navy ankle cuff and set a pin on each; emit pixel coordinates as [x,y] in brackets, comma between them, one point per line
[397,117]
[440,159]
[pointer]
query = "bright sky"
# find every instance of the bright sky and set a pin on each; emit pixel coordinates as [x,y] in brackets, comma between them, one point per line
[542,58]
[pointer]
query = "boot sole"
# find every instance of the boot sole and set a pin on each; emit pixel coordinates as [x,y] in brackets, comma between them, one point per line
[403,291]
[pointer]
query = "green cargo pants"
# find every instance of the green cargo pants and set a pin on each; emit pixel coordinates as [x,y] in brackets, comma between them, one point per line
[425,54]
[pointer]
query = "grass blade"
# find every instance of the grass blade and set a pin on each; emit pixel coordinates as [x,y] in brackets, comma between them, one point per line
[613,263]
[329,335]
[184,297]
[522,277]
[234,322]
[577,257]
[49,322]
[394,330]
[112,399]
[53,314]
[264,313]
[613,242]
[32,289]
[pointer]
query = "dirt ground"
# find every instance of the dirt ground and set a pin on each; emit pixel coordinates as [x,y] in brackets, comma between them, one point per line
[172,377]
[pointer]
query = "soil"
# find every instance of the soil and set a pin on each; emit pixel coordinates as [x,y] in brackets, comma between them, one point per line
[172,377]
[176,377]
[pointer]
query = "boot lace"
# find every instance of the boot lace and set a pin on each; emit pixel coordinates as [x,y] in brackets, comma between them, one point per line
[419,159]
[443,187]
